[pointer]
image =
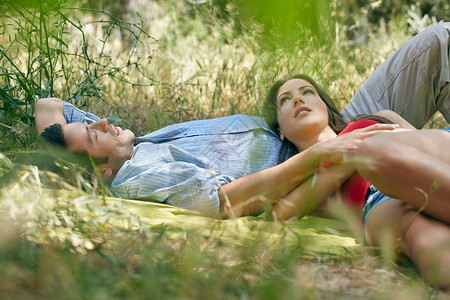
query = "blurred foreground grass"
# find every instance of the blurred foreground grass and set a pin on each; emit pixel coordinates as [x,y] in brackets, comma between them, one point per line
[66,242]
[186,63]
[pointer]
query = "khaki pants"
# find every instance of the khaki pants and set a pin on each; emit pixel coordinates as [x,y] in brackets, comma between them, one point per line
[414,81]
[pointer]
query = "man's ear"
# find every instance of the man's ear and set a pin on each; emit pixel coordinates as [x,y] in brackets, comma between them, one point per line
[106,173]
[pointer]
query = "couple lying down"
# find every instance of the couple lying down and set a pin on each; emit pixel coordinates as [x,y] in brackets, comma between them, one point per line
[378,164]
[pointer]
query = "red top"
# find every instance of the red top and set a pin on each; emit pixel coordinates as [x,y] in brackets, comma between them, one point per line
[354,190]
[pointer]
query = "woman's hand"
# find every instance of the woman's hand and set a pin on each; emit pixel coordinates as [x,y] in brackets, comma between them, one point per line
[343,147]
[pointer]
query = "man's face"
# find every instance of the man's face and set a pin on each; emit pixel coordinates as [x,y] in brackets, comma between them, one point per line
[100,140]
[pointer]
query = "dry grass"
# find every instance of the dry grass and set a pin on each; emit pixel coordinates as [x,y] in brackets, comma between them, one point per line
[60,241]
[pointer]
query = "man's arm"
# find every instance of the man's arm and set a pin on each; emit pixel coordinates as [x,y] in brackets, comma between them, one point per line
[49,111]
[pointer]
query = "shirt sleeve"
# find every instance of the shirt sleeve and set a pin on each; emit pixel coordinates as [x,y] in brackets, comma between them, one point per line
[73,114]
[180,184]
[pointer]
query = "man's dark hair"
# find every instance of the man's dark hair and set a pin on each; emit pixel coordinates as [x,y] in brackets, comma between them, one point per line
[54,135]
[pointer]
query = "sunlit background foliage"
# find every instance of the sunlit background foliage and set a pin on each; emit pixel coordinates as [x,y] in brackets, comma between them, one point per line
[147,64]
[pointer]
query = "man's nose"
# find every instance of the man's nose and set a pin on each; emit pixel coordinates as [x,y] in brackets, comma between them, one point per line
[101,125]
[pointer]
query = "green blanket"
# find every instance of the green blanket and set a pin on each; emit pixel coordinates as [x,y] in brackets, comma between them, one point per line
[314,235]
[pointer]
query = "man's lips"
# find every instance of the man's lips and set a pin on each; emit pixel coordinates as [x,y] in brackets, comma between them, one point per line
[117,130]
[301,110]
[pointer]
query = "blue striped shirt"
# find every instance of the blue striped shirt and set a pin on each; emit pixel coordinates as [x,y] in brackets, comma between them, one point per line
[185,164]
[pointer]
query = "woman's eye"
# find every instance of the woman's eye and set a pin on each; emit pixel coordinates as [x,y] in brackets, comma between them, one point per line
[284,99]
[308,91]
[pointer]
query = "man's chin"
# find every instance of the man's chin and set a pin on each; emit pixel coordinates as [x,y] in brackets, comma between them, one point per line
[129,133]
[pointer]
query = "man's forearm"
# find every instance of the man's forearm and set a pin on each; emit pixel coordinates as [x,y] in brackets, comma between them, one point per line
[49,111]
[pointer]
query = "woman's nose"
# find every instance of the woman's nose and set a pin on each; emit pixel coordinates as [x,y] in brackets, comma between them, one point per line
[298,101]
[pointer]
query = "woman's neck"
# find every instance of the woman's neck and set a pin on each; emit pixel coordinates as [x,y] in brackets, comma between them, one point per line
[309,140]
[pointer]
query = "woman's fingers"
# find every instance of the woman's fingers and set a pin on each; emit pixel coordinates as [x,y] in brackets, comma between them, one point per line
[380,127]
[374,130]
[343,147]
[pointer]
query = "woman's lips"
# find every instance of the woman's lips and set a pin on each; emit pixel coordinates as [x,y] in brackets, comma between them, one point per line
[301,111]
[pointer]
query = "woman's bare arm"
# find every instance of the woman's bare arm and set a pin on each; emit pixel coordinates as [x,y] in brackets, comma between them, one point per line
[396,118]
[249,194]
[310,194]
[413,166]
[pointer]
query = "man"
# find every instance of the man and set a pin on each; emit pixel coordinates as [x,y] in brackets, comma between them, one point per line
[182,164]
[231,166]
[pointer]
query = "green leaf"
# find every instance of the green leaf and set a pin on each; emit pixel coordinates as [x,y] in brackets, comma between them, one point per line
[58,39]
[5,163]
[114,119]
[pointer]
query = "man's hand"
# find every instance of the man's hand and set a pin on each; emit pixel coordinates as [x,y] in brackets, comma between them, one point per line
[49,111]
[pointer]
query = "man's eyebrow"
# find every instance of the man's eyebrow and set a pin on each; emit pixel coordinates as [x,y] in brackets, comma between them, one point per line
[89,137]
[300,88]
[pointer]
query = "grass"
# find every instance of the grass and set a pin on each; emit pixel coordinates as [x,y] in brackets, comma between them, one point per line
[179,62]
[56,243]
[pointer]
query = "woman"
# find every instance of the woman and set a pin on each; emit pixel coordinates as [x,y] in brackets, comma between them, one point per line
[408,166]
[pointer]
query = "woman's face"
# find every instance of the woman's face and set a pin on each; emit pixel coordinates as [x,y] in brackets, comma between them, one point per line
[301,111]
